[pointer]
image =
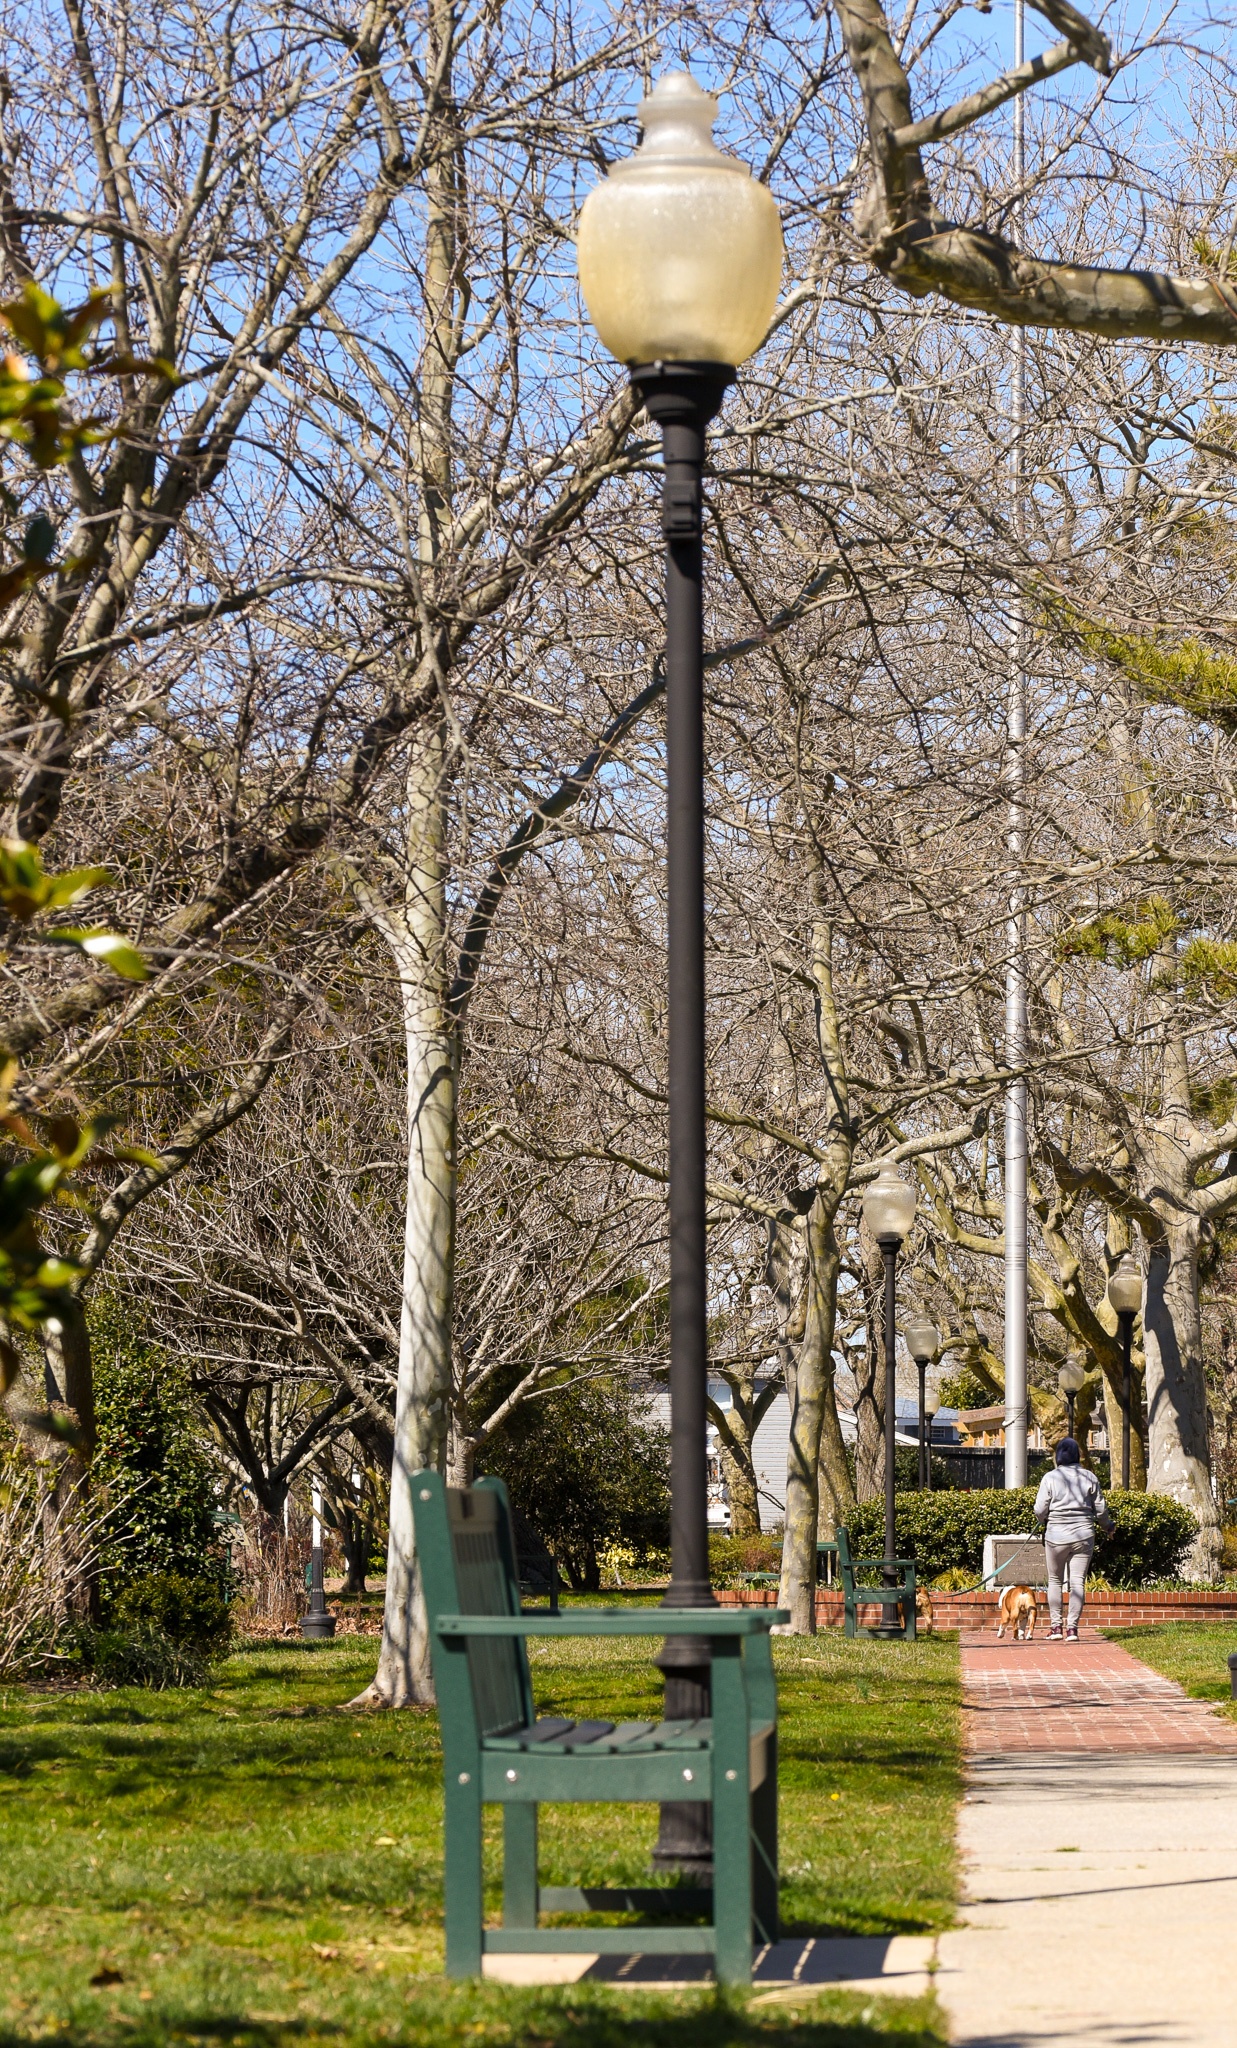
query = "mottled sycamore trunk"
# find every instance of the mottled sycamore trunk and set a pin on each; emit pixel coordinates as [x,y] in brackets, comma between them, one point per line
[423,1391]
[837,1488]
[1179,1454]
[813,1408]
[812,1379]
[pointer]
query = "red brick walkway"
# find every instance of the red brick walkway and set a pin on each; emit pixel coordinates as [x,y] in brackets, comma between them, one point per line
[1088,1696]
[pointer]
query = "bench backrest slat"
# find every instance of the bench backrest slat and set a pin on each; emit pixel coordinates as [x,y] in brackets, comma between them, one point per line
[475,1572]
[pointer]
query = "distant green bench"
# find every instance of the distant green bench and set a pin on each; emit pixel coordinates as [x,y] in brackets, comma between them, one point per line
[855,1594]
[496,1749]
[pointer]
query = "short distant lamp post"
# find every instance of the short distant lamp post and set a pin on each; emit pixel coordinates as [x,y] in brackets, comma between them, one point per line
[931,1403]
[319,1622]
[680,258]
[1125,1292]
[922,1337]
[889,1211]
[1069,1384]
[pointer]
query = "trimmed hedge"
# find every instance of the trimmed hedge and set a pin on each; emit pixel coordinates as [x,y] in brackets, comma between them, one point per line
[944,1532]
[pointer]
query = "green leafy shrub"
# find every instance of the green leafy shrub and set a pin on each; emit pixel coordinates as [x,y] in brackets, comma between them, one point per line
[153,1468]
[733,1558]
[587,1469]
[944,1532]
[185,1610]
[142,1656]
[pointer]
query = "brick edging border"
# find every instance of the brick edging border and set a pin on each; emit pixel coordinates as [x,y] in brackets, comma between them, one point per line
[1105,1609]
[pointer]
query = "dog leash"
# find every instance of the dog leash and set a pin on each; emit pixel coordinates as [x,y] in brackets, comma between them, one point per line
[990,1578]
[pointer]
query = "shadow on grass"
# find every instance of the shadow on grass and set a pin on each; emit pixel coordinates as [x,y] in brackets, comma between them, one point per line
[459,2016]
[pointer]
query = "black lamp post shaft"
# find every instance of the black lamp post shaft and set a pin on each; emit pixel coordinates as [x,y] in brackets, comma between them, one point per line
[1126,1321]
[922,1363]
[682,398]
[1069,1402]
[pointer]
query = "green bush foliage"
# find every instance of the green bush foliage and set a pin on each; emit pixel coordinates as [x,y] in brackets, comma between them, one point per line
[944,1532]
[733,1557]
[154,1470]
[142,1656]
[588,1469]
[185,1610]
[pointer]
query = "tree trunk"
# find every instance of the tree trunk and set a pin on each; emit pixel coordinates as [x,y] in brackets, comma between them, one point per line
[836,1488]
[354,1536]
[423,1389]
[424,1381]
[812,1377]
[69,1374]
[1179,1462]
[740,1476]
[736,1431]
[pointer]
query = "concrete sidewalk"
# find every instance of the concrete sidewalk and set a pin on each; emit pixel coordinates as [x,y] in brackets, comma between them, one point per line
[1100,1851]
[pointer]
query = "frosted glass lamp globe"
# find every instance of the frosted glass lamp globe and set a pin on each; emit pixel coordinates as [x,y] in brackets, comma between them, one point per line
[680,249]
[1071,1377]
[889,1205]
[922,1337]
[1125,1287]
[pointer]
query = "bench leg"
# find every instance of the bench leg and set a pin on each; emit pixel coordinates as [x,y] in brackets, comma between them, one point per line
[732,1815]
[462,1878]
[520,1865]
[764,1851]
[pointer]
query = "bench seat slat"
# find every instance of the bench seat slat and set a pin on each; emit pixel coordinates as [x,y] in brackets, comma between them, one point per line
[601,1738]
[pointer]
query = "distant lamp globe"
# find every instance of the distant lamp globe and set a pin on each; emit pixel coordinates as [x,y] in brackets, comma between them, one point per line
[1071,1377]
[1125,1286]
[932,1401]
[680,249]
[922,1337]
[889,1206]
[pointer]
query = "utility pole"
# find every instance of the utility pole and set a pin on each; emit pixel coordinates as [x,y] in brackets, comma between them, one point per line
[1016,928]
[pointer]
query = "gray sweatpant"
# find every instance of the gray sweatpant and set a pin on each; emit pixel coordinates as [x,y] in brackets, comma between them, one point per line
[1070,1559]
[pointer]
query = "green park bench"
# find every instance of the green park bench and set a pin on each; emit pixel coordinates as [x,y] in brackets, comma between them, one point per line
[856,1594]
[496,1749]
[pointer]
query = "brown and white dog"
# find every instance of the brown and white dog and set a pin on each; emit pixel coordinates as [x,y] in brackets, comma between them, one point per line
[1018,1611]
[923,1610]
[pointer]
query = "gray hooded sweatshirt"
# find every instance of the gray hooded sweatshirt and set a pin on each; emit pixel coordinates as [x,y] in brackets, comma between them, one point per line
[1070,1502]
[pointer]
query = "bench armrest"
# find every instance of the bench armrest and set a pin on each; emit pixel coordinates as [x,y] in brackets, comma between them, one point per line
[618,1621]
[879,1563]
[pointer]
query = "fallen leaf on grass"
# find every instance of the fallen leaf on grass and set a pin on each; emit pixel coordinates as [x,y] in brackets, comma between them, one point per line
[145,1995]
[324,1953]
[105,1974]
[384,1842]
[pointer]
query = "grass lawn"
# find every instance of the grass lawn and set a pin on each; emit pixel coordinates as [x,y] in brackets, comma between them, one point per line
[251,1866]
[1195,1653]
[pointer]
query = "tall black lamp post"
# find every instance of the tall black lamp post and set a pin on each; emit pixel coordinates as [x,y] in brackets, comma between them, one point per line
[1125,1292]
[1069,1385]
[931,1403]
[922,1337]
[889,1211]
[680,257]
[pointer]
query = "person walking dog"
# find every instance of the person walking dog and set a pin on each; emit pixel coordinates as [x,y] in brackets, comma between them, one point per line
[1069,1504]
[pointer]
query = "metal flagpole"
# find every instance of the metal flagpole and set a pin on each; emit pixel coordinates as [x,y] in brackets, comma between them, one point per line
[1016,931]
